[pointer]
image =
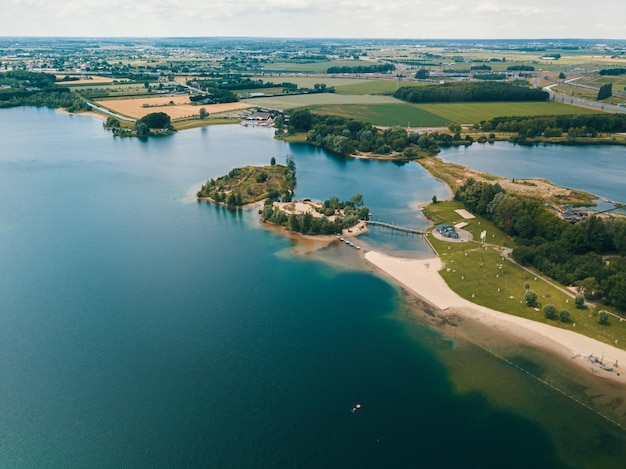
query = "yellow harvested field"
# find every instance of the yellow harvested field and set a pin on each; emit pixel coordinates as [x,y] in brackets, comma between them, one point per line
[139,107]
[93,79]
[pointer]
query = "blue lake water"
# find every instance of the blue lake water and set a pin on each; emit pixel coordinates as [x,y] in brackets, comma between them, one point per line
[139,328]
[599,169]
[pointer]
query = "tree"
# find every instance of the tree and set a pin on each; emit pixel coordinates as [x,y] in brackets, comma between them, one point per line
[112,122]
[434,199]
[549,311]
[605,91]
[603,317]
[562,76]
[273,161]
[422,74]
[301,120]
[142,129]
[203,113]
[530,298]
[564,315]
[579,301]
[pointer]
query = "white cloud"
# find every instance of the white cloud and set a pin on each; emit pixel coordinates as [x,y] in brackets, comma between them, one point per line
[320,18]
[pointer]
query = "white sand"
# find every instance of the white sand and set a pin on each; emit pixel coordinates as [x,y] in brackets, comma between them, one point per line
[421,277]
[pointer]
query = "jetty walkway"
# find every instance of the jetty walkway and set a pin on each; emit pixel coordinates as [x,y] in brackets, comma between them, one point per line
[395,227]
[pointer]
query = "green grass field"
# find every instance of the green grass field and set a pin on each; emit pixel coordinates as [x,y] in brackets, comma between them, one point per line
[471,113]
[480,274]
[314,67]
[399,114]
[374,87]
[308,82]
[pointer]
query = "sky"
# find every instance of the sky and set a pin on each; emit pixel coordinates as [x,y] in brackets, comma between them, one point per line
[428,19]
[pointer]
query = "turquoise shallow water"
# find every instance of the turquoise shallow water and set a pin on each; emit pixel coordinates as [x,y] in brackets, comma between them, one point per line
[138,328]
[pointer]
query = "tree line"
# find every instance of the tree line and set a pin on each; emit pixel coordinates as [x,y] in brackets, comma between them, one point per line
[553,126]
[613,71]
[37,89]
[381,68]
[469,92]
[572,254]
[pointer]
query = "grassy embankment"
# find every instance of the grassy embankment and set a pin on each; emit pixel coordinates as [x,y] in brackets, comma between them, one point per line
[480,274]
[251,184]
[536,189]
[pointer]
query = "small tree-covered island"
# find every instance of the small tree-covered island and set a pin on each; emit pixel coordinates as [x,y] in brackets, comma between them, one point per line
[274,185]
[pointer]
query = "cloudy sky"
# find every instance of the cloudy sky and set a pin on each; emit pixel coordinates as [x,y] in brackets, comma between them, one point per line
[316,18]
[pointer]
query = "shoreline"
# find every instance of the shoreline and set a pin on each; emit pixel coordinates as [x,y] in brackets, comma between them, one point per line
[421,278]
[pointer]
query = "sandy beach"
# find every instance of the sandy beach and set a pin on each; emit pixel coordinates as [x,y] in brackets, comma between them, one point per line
[421,277]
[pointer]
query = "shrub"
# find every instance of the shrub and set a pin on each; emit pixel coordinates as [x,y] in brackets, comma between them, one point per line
[549,311]
[564,315]
[579,301]
[603,317]
[530,298]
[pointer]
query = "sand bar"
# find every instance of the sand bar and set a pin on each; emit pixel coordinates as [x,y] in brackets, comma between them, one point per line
[421,277]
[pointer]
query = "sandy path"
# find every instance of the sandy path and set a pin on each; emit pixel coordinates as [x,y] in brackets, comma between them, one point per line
[421,277]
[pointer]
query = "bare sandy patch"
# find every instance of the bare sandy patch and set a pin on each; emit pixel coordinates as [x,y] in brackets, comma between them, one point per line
[421,277]
[181,107]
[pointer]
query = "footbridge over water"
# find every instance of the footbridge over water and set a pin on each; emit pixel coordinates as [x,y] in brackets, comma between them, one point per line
[402,229]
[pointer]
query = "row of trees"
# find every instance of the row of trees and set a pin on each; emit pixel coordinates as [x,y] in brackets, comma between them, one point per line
[533,126]
[469,92]
[381,68]
[613,71]
[570,253]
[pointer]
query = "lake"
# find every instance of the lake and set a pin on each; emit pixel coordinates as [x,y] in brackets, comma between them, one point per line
[599,169]
[141,328]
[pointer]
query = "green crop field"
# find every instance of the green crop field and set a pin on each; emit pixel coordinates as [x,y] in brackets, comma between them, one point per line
[317,99]
[374,87]
[399,114]
[471,113]
[314,67]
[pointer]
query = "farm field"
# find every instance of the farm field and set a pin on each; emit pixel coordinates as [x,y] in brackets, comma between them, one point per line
[399,114]
[93,79]
[317,99]
[471,113]
[179,110]
[375,86]
[314,67]
[309,82]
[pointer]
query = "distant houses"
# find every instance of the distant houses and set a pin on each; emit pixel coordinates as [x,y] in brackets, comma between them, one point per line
[259,118]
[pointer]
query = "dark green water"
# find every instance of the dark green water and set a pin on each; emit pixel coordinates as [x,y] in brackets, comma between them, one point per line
[138,329]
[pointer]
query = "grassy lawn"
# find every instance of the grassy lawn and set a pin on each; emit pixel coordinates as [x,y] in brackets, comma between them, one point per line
[471,113]
[480,274]
[384,114]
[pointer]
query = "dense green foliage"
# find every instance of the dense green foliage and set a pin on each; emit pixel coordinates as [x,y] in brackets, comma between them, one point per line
[521,68]
[21,88]
[335,216]
[469,92]
[144,127]
[569,253]
[613,71]
[347,136]
[605,91]
[382,68]
[588,125]
[214,95]
[251,184]
[490,76]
